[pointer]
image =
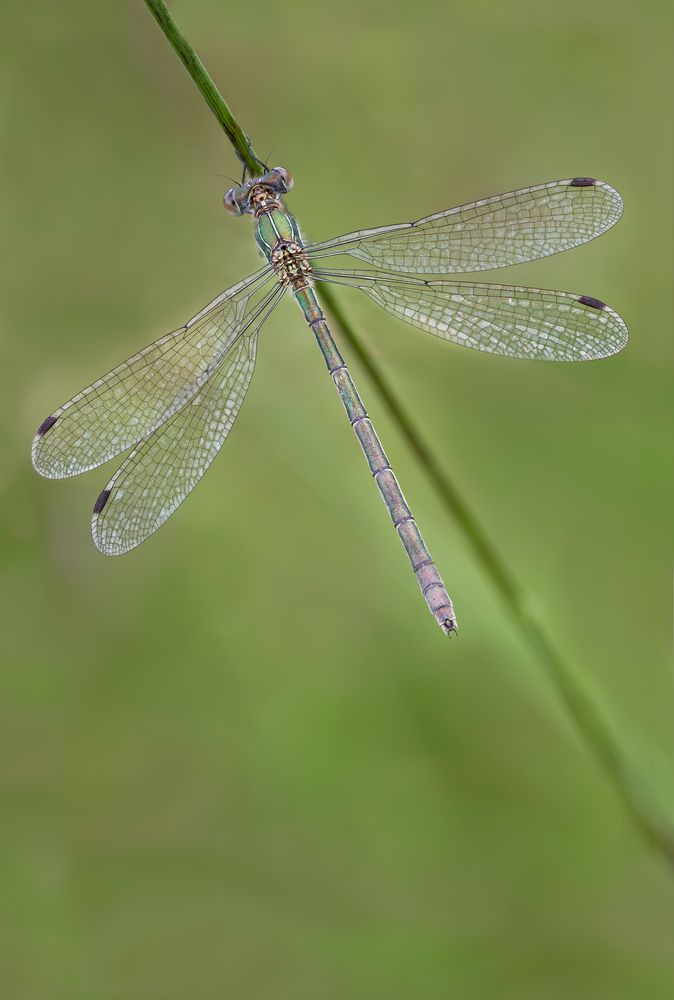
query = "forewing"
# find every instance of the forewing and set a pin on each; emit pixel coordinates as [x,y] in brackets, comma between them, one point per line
[158,474]
[137,396]
[506,229]
[510,320]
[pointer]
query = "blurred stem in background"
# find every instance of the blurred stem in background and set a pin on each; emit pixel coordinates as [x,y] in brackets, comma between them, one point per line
[582,703]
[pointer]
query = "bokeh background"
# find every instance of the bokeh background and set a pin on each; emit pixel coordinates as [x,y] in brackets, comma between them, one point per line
[242,760]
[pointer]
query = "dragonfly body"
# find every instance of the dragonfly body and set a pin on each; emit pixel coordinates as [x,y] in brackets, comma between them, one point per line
[429,579]
[278,236]
[175,402]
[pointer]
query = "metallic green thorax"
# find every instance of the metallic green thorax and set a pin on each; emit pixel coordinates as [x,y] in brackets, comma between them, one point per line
[274,226]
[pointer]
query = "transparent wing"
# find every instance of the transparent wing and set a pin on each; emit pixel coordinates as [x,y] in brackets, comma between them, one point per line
[157,476]
[125,405]
[495,232]
[517,322]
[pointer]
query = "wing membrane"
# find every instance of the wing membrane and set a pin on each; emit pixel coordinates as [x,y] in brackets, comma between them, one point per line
[510,320]
[120,409]
[496,232]
[160,473]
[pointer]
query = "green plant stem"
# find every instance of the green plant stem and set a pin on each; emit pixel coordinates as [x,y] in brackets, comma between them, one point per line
[209,91]
[582,704]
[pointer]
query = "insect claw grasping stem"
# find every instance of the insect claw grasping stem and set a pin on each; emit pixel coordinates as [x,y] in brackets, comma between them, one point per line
[263,166]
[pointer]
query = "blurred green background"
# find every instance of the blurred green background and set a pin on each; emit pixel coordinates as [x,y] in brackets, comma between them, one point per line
[242,760]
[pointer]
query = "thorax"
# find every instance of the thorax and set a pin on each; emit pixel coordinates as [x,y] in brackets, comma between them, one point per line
[278,237]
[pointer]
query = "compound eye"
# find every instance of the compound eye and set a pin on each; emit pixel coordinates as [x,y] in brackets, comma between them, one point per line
[285,176]
[230,202]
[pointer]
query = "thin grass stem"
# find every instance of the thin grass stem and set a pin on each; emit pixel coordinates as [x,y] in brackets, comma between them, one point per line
[583,704]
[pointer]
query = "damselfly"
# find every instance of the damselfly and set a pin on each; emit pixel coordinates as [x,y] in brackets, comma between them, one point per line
[175,402]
